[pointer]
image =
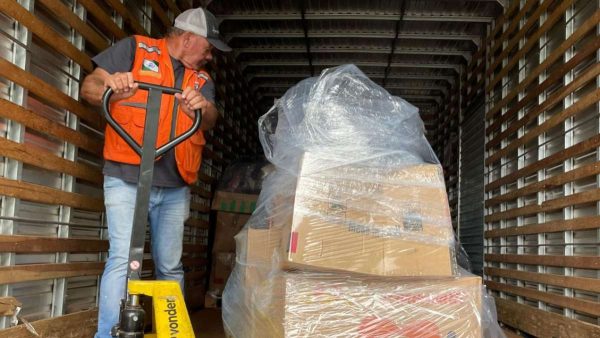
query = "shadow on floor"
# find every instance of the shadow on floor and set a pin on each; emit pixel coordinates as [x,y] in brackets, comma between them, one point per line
[207,323]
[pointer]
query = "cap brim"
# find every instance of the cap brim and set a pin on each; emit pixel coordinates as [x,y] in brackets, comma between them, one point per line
[220,45]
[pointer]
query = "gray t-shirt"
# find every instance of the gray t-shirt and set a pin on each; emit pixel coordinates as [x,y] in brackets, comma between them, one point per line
[119,58]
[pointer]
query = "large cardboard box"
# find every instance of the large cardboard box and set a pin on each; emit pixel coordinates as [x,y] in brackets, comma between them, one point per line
[336,306]
[262,244]
[261,249]
[227,226]
[388,222]
[258,249]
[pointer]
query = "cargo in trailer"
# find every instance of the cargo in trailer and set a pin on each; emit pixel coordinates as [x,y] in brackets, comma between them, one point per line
[506,95]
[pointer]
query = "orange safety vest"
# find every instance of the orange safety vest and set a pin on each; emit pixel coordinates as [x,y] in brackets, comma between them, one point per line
[152,64]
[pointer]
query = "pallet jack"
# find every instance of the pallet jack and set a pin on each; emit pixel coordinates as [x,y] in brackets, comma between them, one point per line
[171,318]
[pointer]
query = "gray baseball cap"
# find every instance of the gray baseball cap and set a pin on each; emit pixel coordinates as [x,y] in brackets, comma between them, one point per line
[202,22]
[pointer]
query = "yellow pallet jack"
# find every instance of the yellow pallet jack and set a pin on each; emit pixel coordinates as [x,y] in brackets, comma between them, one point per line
[171,318]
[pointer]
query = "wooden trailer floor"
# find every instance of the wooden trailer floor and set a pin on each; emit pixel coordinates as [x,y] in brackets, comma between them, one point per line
[208,323]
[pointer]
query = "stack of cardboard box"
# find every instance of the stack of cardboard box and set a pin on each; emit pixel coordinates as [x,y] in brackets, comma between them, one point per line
[311,304]
[233,211]
[356,251]
[234,201]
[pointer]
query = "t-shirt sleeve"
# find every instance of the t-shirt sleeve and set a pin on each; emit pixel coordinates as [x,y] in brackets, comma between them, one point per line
[208,91]
[118,57]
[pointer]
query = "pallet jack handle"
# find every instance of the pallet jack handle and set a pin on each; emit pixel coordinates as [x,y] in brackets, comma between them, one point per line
[132,316]
[153,107]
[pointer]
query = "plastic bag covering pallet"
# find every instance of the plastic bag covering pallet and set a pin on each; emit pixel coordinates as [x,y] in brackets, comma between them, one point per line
[345,118]
[346,124]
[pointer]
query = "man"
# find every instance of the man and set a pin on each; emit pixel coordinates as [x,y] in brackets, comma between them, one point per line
[175,61]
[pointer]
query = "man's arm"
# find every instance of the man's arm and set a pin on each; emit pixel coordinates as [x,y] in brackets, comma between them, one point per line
[95,84]
[92,87]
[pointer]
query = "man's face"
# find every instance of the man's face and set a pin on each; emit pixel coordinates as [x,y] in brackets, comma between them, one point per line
[198,51]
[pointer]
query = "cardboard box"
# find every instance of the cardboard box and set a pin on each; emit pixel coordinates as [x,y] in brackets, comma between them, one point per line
[234,202]
[329,305]
[222,265]
[255,249]
[227,226]
[372,220]
[260,247]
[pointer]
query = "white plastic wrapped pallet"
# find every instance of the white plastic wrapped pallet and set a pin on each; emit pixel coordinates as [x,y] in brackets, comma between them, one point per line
[352,234]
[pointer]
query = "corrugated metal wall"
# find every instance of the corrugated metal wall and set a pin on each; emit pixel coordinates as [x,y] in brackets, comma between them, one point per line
[542,191]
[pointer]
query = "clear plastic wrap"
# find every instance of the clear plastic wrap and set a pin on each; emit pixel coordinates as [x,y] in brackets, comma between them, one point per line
[355,213]
[347,118]
[222,265]
[234,200]
[334,305]
[381,221]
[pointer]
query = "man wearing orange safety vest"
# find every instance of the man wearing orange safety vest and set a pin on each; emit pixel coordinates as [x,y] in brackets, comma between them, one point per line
[175,61]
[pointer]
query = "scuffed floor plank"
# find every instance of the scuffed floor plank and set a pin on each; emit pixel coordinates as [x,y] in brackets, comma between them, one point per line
[76,325]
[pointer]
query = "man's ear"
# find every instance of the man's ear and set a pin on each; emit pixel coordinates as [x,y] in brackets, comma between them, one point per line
[186,38]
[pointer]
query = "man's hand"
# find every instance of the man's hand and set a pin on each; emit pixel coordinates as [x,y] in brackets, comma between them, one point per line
[95,84]
[191,100]
[122,85]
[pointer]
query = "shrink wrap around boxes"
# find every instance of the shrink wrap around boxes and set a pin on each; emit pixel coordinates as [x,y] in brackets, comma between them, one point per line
[276,303]
[222,265]
[260,247]
[379,221]
[310,304]
[257,249]
[223,254]
[234,201]
[352,234]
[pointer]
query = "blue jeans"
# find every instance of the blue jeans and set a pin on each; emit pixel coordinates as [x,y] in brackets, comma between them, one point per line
[168,210]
